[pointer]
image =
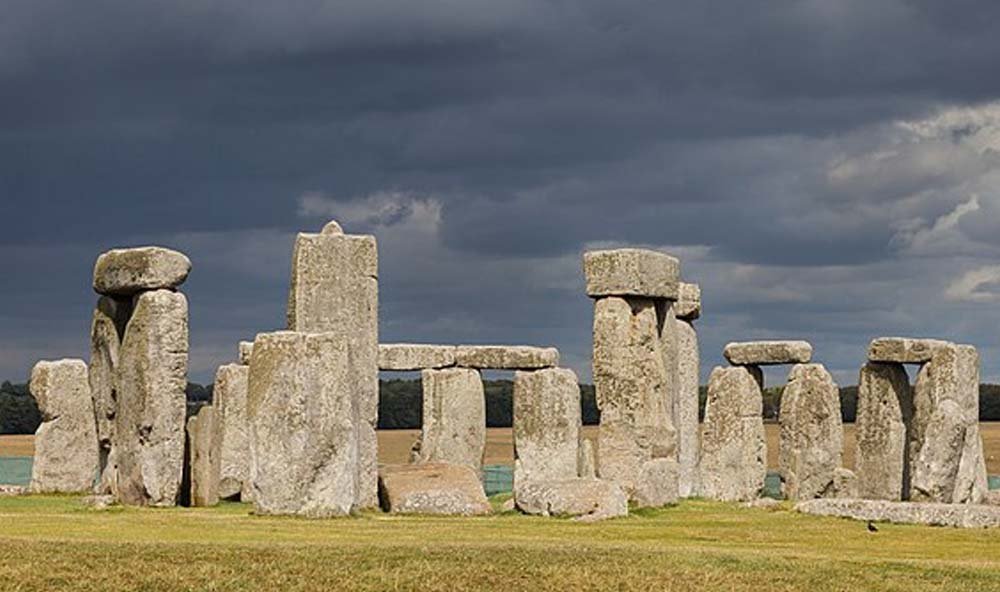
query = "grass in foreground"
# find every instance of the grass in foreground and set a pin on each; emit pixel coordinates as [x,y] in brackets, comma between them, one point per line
[52,543]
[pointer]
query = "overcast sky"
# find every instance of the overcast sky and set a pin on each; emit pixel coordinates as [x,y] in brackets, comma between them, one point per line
[826,170]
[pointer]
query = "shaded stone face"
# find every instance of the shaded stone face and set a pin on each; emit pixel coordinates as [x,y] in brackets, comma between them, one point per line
[303,425]
[657,484]
[107,330]
[454,417]
[432,488]
[903,350]
[203,458]
[686,407]
[404,357]
[733,448]
[506,357]
[149,435]
[246,351]
[232,433]
[812,433]
[763,353]
[885,409]
[66,445]
[688,305]
[547,425]
[124,272]
[585,499]
[631,272]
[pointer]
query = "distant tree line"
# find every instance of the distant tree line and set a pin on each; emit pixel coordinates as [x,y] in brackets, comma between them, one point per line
[400,404]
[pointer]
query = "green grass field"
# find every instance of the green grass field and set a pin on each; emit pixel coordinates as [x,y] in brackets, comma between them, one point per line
[53,543]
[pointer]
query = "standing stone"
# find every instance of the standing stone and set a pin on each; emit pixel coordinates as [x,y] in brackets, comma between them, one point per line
[203,457]
[107,330]
[334,288]
[66,457]
[733,448]
[885,409]
[304,422]
[151,407]
[454,417]
[124,272]
[586,464]
[686,408]
[547,425]
[632,387]
[812,433]
[232,432]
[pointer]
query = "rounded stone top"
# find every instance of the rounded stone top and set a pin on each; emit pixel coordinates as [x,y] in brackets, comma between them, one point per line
[332,227]
[124,272]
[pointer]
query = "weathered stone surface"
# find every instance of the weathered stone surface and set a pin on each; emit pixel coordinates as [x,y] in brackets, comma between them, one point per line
[506,357]
[454,417]
[232,433]
[763,353]
[414,356]
[432,488]
[12,490]
[971,481]
[885,409]
[547,425]
[657,484]
[203,458]
[762,503]
[66,457]
[149,421]
[688,305]
[903,350]
[631,272]
[246,351]
[845,484]
[686,408]
[733,448]
[586,499]
[812,433]
[587,463]
[632,386]
[124,272]
[98,502]
[303,425]
[936,469]
[932,514]
[107,330]
[992,498]
[334,288]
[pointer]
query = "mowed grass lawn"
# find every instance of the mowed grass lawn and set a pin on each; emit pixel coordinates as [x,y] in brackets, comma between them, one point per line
[54,543]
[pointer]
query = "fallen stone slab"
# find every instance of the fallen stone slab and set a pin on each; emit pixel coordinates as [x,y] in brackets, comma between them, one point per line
[506,357]
[432,488]
[931,514]
[903,350]
[246,351]
[402,357]
[631,272]
[123,272]
[688,305]
[764,353]
[584,499]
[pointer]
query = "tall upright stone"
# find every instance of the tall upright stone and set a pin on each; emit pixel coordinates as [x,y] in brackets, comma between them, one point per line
[203,457]
[733,449]
[686,407]
[304,421]
[812,433]
[454,417]
[66,448]
[547,425]
[106,333]
[151,405]
[232,433]
[334,289]
[885,410]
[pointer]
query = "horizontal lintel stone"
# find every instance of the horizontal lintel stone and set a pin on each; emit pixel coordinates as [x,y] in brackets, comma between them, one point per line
[631,272]
[764,353]
[414,356]
[903,350]
[506,357]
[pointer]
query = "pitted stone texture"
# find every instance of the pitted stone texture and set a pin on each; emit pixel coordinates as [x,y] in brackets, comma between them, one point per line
[303,425]
[686,408]
[845,484]
[547,425]
[246,352]
[764,353]
[229,397]
[203,458]
[812,433]
[903,350]
[432,488]
[506,357]
[632,386]
[584,499]
[885,409]
[334,288]
[107,330]
[66,459]
[124,272]
[657,485]
[688,305]
[733,448]
[631,272]
[414,356]
[932,514]
[971,481]
[149,422]
[454,424]
[587,464]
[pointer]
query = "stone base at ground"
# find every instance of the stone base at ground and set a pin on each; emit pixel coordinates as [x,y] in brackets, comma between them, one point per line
[657,485]
[956,515]
[585,499]
[432,488]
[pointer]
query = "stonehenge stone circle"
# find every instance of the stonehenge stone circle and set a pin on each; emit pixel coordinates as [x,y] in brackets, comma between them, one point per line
[686,407]
[414,356]
[733,448]
[66,451]
[124,272]
[232,431]
[585,499]
[547,426]
[811,435]
[203,458]
[763,353]
[506,357]
[932,514]
[304,422]
[107,331]
[631,272]
[432,488]
[903,350]
[454,417]
[884,413]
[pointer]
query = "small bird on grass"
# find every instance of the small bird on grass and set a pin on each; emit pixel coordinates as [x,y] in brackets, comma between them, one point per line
[872,527]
